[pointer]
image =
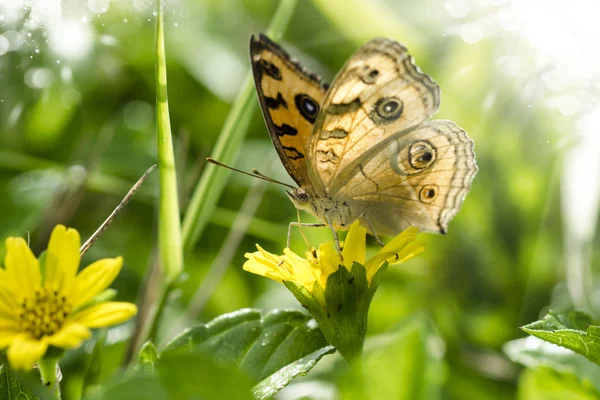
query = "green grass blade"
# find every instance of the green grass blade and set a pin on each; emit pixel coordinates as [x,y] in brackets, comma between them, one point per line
[169,225]
[213,180]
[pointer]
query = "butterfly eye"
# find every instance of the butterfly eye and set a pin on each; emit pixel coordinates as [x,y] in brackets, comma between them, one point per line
[270,69]
[307,106]
[386,110]
[428,193]
[421,154]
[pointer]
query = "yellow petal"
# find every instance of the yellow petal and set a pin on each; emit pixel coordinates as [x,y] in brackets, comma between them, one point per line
[299,269]
[263,263]
[374,263]
[410,251]
[22,268]
[7,286]
[329,261]
[70,336]
[105,314]
[9,324]
[24,351]
[93,280]
[262,267]
[355,246]
[62,258]
[8,301]
[6,338]
[400,241]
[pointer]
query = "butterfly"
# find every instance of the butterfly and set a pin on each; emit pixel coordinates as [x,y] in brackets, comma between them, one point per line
[364,147]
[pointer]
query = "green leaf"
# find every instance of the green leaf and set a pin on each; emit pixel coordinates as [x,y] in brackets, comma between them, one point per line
[260,344]
[178,375]
[148,357]
[11,388]
[277,381]
[547,384]
[169,226]
[572,331]
[533,352]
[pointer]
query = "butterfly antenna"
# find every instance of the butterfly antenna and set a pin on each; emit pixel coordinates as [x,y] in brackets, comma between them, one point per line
[254,174]
[257,172]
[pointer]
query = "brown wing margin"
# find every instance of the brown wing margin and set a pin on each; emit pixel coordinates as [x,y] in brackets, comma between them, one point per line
[290,97]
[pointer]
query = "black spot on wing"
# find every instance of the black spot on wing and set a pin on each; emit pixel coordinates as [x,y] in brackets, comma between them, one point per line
[328,156]
[344,108]
[263,42]
[368,74]
[292,153]
[386,110]
[307,106]
[337,133]
[269,69]
[285,129]
[274,104]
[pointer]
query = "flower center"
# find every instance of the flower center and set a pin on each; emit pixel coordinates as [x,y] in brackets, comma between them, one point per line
[44,313]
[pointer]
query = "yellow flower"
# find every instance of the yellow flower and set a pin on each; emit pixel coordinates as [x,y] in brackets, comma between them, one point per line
[52,308]
[306,271]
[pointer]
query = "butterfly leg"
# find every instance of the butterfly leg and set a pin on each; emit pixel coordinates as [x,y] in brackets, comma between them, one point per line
[364,216]
[300,225]
[336,238]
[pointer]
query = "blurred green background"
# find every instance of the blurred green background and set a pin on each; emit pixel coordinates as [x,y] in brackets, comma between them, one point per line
[77,129]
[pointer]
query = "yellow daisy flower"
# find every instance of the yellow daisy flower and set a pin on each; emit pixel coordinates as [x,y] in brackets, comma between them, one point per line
[336,290]
[53,306]
[306,271]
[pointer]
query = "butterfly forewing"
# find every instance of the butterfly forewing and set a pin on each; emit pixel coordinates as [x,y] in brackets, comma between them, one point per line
[290,98]
[379,92]
[418,178]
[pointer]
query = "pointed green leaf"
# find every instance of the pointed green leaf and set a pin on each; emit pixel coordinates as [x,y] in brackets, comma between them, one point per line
[572,331]
[170,244]
[277,381]
[147,358]
[11,388]
[259,343]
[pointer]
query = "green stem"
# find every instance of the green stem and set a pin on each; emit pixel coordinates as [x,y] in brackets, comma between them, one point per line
[48,367]
[156,314]
[213,180]
[169,224]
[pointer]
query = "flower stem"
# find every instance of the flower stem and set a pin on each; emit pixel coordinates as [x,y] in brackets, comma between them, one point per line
[49,370]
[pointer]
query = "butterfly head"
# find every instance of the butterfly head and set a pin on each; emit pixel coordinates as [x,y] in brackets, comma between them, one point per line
[299,197]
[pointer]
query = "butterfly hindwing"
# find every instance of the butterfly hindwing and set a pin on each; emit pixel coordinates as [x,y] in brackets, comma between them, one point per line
[419,178]
[290,98]
[378,92]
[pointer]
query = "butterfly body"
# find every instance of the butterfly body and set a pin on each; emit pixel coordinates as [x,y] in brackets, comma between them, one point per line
[337,213]
[364,147]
